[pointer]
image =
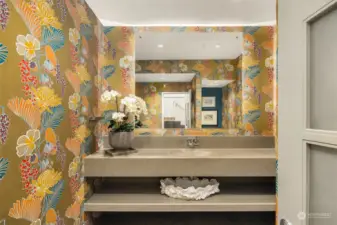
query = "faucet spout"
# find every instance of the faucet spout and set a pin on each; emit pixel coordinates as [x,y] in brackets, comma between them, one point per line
[192,142]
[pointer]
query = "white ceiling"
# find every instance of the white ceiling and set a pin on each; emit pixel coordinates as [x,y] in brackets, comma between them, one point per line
[188,45]
[184,12]
[164,77]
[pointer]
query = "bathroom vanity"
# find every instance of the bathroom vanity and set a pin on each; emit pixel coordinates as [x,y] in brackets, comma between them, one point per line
[129,185]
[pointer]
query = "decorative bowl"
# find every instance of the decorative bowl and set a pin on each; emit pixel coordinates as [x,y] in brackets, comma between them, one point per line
[189,188]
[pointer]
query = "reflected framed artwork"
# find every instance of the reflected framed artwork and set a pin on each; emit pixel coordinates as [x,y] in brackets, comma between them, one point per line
[208,102]
[209,118]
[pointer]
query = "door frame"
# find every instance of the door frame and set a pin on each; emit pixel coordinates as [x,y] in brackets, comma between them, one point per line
[187,93]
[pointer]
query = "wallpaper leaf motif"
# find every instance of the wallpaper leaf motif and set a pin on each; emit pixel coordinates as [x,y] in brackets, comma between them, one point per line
[51,200]
[108,71]
[3,167]
[251,30]
[3,52]
[253,72]
[26,111]
[106,30]
[87,31]
[86,89]
[252,116]
[53,119]
[31,20]
[53,37]
[26,208]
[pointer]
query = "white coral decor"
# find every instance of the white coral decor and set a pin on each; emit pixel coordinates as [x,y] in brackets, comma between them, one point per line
[189,189]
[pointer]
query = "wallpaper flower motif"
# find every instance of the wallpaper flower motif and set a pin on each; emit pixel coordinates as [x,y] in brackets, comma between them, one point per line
[126,62]
[45,98]
[74,101]
[74,36]
[27,46]
[26,144]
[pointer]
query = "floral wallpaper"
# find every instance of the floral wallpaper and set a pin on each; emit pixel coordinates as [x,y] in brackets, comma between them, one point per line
[232,100]
[48,69]
[116,60]
[116,68]
[151,93]
[209,69]
[258,81]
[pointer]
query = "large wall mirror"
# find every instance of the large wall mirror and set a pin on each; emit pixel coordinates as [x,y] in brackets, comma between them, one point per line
[196,80]
[190,79]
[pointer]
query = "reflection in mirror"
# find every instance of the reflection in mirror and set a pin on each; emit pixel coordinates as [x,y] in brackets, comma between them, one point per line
[190,79]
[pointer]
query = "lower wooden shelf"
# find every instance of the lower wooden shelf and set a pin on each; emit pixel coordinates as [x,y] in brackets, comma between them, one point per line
[160,203]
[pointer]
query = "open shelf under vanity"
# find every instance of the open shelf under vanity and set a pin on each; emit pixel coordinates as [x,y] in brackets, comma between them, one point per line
[143,195]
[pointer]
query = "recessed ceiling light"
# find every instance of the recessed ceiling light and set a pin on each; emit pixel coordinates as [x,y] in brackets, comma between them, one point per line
[217,46]
[160,46]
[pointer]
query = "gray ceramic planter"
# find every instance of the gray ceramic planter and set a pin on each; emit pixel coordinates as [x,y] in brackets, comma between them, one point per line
[121,140]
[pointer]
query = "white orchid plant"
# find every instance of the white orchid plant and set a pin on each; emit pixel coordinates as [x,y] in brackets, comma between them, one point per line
[129,111]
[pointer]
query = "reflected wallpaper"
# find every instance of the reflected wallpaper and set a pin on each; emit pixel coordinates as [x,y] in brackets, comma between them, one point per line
[232,99]
[209,69]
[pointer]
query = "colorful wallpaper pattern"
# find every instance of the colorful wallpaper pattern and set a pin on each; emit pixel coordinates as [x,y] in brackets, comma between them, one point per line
[209,69]
[151,93]
[232,100]
[259,83]
[48,90]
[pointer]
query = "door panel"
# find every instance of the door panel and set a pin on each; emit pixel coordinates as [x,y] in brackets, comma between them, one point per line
[322,46]
[322,169]
[306,83]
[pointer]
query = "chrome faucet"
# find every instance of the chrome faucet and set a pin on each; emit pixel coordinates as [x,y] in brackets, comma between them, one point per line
[192,142]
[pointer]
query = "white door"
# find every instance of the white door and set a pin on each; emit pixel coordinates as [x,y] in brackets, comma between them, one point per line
[307,135]
[176,105]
